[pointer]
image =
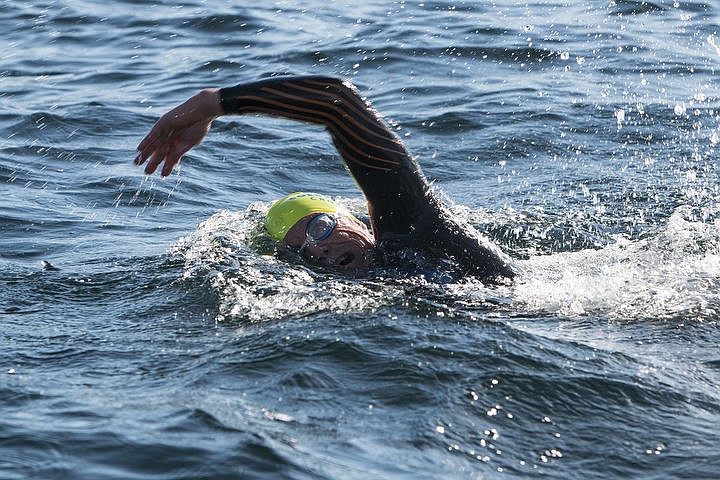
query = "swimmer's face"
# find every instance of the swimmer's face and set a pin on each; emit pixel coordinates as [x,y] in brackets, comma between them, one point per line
[347,246]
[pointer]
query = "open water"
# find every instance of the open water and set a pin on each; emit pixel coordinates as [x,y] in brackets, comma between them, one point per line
[146,334]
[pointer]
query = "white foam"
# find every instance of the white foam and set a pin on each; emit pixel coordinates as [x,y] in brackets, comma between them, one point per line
[676,271]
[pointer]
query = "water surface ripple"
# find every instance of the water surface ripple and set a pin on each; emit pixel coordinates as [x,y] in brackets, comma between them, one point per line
[149,332]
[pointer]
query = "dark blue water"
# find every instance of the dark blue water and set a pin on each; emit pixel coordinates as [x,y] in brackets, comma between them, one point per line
[145,334]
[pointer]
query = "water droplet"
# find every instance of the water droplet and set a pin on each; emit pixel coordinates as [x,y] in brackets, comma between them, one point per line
[620,116]
[680,109]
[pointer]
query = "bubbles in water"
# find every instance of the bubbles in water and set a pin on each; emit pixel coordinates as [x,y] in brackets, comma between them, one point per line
[657,450]
[552,453]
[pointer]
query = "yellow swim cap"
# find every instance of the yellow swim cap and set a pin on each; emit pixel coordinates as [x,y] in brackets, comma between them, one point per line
[287,211]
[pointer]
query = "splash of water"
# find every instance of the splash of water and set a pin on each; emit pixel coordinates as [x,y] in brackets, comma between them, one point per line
[675,272]
[255,281]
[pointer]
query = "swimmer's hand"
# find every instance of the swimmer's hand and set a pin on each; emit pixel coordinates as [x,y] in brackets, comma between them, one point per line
[178,131]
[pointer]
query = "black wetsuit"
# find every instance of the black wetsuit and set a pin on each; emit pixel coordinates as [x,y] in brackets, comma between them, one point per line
[403,209]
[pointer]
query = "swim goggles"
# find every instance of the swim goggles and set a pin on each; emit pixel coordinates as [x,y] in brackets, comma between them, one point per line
[318,229]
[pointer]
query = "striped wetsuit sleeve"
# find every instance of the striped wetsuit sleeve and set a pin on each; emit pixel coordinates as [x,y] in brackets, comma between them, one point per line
[390,178]
[360,134]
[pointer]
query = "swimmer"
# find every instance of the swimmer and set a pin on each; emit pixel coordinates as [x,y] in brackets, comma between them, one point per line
[404,211]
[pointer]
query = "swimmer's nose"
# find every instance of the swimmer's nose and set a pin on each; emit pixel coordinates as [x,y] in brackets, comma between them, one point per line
[317,253]
[317,250]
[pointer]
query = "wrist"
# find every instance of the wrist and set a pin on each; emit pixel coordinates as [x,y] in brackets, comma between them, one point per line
[212,102]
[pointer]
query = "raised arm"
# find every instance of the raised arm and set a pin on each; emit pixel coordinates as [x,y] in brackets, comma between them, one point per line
[360,135]
[391,180]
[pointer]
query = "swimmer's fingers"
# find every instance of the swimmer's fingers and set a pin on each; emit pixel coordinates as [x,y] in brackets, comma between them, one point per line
[181,142]
[160,133]
[145,146]
[173,157]
[178,131]
[157,144]
[157,157]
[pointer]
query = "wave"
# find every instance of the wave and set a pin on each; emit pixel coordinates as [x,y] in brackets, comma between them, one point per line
[633,7]
[672,273]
